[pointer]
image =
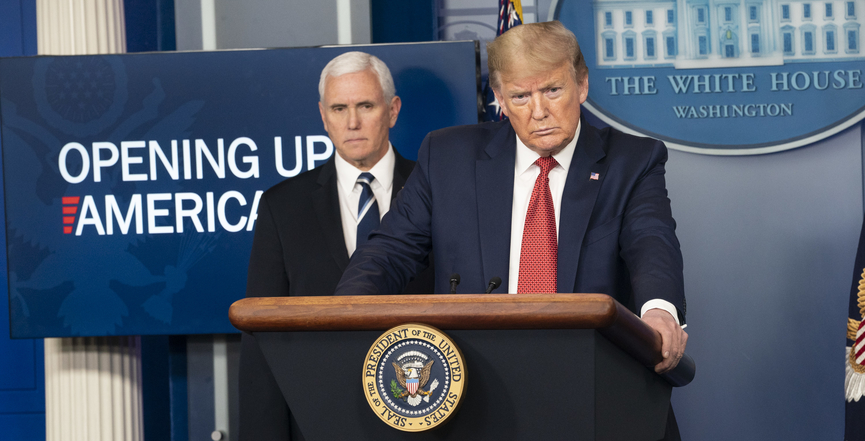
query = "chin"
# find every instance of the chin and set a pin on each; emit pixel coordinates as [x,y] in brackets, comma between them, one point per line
[357,152]
[548,147]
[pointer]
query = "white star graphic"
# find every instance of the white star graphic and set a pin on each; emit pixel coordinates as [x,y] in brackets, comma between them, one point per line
[512,15]
[495,104]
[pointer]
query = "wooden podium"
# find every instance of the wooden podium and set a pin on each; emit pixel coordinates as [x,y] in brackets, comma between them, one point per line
[538,366]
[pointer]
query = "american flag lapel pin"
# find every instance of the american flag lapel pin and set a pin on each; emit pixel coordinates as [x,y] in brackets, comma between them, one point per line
[594,176]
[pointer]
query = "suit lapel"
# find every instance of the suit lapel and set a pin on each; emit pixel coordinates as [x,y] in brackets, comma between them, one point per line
[578,200]
[495,193]
[325,202]
[401,170]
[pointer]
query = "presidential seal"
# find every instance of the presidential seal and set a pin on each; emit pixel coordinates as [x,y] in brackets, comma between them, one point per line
[414,377]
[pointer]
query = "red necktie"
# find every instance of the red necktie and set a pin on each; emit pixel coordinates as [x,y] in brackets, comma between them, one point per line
[539,252]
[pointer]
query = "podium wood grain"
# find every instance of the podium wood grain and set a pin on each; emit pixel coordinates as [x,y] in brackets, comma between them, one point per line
[452,312]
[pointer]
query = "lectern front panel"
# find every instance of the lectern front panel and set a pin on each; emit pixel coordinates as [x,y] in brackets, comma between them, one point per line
[569,384]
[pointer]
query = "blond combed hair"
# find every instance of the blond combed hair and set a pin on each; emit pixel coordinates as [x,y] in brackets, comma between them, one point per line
[541,46]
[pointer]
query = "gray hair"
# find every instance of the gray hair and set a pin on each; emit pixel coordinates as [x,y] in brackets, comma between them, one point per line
[351,62]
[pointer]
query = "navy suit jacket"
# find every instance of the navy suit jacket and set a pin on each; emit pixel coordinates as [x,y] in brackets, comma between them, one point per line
[299,247]
[616,233]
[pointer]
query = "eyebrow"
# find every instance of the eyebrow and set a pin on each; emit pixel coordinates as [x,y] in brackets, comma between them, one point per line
[558,82]
[519,92]
[362,103]
[544,87]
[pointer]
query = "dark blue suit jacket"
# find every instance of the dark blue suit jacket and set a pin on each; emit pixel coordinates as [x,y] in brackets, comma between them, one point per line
[616,233]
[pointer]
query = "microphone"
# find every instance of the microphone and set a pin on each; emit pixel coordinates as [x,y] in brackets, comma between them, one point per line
[494,283]
[455,280]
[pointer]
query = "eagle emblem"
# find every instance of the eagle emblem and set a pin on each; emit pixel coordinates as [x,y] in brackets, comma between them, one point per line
[854,380]
[414,377]
[412,374]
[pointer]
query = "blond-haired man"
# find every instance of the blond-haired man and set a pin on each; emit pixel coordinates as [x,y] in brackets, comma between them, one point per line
[542,200]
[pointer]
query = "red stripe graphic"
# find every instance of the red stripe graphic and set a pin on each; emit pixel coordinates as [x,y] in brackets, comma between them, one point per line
[71,207]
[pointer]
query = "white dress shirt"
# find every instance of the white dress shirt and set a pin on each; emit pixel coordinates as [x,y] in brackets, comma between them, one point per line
[349,192]
[525,175]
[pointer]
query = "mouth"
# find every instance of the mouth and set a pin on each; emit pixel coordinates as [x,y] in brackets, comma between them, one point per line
[544,132]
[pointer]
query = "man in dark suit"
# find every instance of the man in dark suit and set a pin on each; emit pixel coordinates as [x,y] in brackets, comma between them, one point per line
[308,226]
[543,200]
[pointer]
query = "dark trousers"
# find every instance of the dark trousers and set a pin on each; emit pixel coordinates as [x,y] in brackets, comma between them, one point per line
[672,433]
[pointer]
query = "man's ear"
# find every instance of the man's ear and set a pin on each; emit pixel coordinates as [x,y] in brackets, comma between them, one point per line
[584,89]
[321,111]
[395,106]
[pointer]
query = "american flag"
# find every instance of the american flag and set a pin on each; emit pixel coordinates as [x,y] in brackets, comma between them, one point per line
[510,15]
[594,176]
[854,381]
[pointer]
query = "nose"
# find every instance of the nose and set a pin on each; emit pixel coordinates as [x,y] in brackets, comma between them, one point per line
[539,108]
[353,119]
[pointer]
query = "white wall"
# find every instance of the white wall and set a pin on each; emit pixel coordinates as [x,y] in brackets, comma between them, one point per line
[769,244]
[251,24]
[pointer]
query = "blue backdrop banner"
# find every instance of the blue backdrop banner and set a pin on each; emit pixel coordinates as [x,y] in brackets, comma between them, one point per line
[132,181]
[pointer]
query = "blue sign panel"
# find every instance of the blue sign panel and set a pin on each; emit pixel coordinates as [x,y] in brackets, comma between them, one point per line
[132,181]
[722,77]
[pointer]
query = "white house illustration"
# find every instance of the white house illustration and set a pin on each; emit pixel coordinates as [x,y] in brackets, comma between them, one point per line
[725,33]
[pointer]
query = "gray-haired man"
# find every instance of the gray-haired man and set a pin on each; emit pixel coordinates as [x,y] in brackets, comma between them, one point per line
[308,226]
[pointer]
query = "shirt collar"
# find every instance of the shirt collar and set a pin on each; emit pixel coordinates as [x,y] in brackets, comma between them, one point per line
[527,157]
[347,174]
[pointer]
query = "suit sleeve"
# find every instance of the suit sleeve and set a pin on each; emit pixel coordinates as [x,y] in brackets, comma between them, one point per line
[648,240]
[400,247]
[266,276]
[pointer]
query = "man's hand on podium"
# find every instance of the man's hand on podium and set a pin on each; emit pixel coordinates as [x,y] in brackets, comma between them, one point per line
[673,338]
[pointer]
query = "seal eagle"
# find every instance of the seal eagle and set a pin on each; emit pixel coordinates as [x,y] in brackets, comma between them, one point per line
[412,374]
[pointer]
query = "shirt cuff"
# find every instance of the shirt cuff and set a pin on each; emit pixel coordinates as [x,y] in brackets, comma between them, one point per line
[663,305]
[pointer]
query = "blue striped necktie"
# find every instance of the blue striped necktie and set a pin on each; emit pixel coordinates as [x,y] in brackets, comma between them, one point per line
[367,209]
